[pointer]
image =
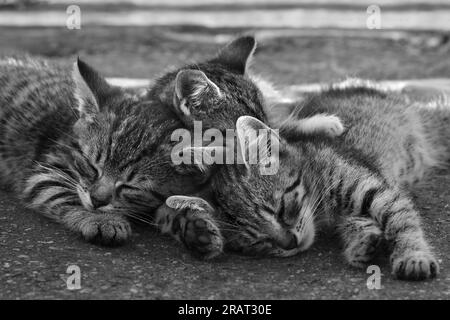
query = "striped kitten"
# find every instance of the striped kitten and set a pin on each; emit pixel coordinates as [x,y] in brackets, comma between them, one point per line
[83,152]
[217,93]
[217,96]
[356,182]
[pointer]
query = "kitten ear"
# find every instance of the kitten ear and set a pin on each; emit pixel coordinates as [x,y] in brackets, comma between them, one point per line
[258,144]
[237,54]
[191,88]
[91,89]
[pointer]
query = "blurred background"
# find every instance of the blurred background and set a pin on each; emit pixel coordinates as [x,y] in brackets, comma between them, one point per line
[300,41]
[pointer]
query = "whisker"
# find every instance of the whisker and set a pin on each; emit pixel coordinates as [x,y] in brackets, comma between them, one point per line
[140,218]
[72,182]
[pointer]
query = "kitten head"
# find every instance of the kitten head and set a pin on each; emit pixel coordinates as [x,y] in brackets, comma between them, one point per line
[216,92]
[121,148]
[268,211]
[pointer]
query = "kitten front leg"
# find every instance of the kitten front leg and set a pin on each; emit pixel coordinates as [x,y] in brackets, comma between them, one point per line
[109,229]
[361,238]
[190,221]
[330,125]
[50,194]
[411,258]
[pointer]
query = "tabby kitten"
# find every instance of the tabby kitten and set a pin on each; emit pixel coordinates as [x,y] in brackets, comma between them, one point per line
[355,182]
[83,152]
[221,90]
[217,93]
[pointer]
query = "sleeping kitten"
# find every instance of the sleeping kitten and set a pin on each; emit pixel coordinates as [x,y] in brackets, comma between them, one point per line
[217,93]
[83,152]
[355,182]
[221,90]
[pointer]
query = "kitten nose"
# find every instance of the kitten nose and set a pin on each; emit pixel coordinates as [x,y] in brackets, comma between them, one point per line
[102,193]
[100,200]
[288,242]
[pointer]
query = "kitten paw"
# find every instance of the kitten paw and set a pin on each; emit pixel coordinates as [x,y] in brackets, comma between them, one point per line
[333,126]
[202,236]
[416,265]
[198,231]
[359,252]
[105,229]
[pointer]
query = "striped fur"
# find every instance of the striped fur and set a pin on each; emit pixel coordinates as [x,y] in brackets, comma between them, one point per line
[88,154]
[355,182]
[217,98]
[82,152]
